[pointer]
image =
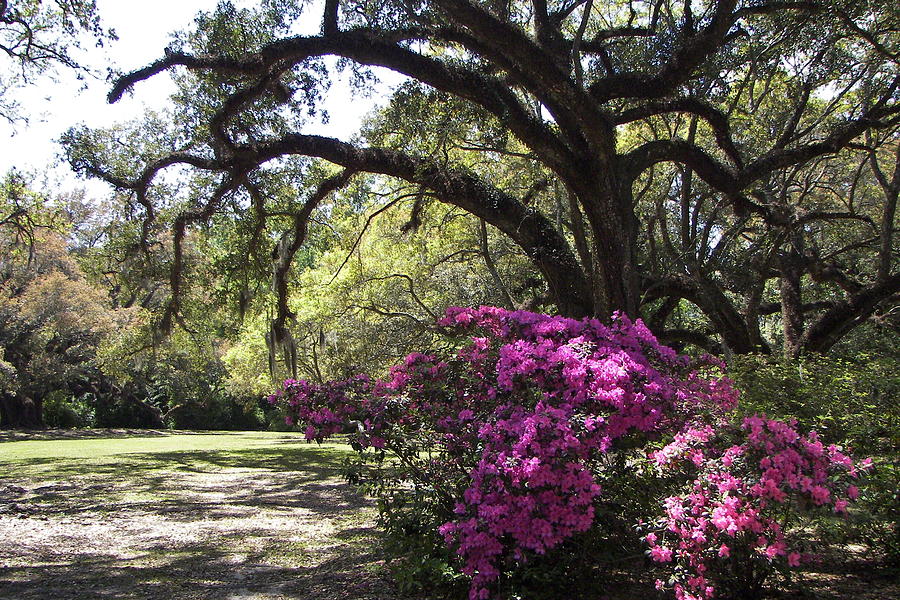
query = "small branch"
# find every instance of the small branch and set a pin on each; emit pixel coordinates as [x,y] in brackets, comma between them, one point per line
[412,291]
[363,232]
[491,267]
[716,119]
[576,45]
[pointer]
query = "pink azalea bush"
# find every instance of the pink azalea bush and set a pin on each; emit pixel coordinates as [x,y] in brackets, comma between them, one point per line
[503,433]
[730,525]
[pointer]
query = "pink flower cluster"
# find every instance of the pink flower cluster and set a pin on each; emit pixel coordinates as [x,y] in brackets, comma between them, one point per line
[511,421]
[323,410]
[732,507]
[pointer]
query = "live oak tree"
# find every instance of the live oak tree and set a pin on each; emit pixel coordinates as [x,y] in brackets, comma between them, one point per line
[51,323]
[602,98]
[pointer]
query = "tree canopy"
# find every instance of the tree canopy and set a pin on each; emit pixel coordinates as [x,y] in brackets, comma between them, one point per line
[725,160]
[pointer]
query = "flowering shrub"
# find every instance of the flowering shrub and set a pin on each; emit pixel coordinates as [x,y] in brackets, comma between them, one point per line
[731,525]
[503,434]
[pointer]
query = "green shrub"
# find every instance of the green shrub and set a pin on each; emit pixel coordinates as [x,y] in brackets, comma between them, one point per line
[218,411]
[125,409]
[846,402]
[63,411]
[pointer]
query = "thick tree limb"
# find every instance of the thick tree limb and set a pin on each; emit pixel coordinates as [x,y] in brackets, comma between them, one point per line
[530,230]
[379,49]
[219,64]
[543,76]
[730,181]
[726,320]
[877,118]
[597,43]
[829,327]
[718,175]
[689,55]
[330,17]
[688,336]
[716,119]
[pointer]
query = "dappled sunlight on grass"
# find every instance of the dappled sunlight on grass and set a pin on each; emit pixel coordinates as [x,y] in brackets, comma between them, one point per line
[250,515]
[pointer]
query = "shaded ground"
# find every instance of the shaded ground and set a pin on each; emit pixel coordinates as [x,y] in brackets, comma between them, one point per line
[848,572]
[158,515]
[266,517]
[14,435]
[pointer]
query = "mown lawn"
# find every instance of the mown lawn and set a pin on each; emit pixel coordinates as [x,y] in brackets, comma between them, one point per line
[250,515]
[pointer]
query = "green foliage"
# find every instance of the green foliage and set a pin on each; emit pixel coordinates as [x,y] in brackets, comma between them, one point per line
[420,561]
[63,411]
[52,320]
[232,31]
[126,411]
[880,525]
[77,330]
[8,383]
[852,402]
[184,379]
[365,289]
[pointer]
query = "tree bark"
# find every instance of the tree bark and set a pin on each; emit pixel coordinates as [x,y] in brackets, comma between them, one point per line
[791,301]
[607,203]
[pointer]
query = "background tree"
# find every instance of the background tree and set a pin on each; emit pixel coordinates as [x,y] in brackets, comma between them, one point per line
[51,319]
[77,344]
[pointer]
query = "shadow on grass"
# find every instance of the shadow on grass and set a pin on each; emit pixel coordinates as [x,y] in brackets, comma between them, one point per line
[19,435]
[257,523]
[195,572]
[298,457]
[22,435]
[302,476]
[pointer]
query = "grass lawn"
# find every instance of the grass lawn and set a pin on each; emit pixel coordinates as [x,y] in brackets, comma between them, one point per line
[250,515]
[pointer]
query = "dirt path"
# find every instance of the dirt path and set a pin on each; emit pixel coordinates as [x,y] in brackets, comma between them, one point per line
[179,526]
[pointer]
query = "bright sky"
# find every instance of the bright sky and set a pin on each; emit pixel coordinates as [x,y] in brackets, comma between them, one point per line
[143,28]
